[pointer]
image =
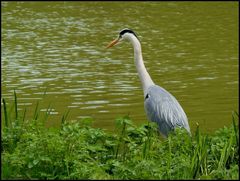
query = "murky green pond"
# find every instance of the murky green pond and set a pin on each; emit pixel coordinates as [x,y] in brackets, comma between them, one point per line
[189,48]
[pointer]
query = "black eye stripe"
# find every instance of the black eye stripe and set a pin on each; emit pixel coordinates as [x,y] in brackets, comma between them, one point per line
[126,31]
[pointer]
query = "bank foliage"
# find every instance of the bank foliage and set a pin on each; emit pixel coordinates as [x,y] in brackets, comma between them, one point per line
[77,150]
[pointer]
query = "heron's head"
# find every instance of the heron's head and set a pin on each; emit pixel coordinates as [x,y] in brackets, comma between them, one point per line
[123,34]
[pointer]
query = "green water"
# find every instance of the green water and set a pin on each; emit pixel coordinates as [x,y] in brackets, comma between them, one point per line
[189,48]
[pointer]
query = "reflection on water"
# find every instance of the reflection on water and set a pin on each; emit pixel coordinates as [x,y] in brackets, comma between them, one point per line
[54,52]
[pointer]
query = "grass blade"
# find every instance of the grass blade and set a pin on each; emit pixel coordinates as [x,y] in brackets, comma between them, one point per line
[24,114]
[5,112]
[15,105]
[35,116]
[47,113]
[235,128]
[64,117]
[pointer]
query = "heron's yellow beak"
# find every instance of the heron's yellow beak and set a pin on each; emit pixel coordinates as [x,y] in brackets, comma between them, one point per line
[114,42]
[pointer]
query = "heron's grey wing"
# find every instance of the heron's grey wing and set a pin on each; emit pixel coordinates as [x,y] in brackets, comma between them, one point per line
[163,108]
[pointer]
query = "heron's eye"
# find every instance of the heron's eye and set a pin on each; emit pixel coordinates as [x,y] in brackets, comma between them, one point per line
[147,96]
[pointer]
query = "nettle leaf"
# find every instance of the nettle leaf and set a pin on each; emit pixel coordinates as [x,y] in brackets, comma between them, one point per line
[35,162]
[30,165]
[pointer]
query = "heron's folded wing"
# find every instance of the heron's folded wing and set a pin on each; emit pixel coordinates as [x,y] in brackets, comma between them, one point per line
[163,108]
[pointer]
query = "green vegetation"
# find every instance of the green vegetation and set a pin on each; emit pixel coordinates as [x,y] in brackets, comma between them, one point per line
[76,150]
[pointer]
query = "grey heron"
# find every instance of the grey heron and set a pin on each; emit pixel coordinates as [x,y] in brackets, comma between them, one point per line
[160,106]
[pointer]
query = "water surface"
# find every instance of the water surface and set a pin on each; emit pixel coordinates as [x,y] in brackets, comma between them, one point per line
[54,53]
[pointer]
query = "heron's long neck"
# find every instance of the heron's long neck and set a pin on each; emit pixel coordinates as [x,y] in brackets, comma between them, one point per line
[142,72]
